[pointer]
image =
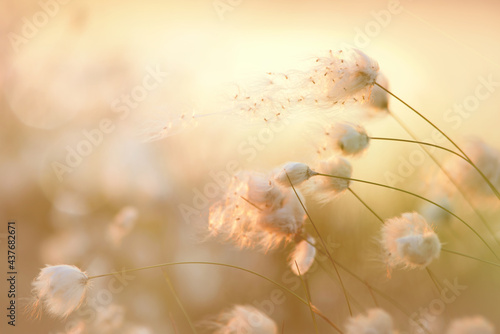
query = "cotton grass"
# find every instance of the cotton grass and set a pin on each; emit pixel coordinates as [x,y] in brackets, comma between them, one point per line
[59,289]
[409,241]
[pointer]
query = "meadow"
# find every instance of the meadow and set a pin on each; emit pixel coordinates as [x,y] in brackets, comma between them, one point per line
[235,167]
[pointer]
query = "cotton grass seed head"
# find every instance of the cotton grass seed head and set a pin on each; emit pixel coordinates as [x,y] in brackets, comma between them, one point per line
[344,74]
[257,211]
[325,188]
[59,289]
[303,256]
[377,321]
[409,241]
[471,325]
[360,73]
[287,219]
[350,139]
[263,191]
[244,319]
[294,172]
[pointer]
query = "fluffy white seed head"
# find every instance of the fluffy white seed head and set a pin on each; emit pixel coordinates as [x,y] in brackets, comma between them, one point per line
[257,212]
[295,172]
[409,241]
[324,188]
[262,191]
[344,74]
[361,73]
[60,289]
[334,81]
[377,321]
[244,319]
[287,219]
[303,256]
[471,325]
[348,138]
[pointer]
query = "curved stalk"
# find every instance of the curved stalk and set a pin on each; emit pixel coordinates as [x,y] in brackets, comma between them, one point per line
[420,143]
[470,257]
[431,274]
[442,249]
[447,174]
[418,196]
[323,243]
[318,312]
[308,297]
[370,288]
[178,300]
[366,205]
[495,191]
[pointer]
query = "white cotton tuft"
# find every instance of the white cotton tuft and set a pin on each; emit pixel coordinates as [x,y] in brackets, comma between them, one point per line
[256,211]
[325,188]
[361,73]
[471,325]
[244,319]
[344,74]
[262,190]
[60,289]
[350,139]
[287,219]
[303,256]
[295,172]
[377,321]
[409,241]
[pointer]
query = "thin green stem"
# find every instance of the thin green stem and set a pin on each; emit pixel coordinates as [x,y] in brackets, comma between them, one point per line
[422,116]
[248,201]
[330,274]
[177,299]
[431,275]
[442,249]
[222,265]
[370,287]
[386,297]
[380,218]
[373,296]
[323,243]
[470,257]
[418,196]
[495,191]
[419,142]
[308,297]
[366,205]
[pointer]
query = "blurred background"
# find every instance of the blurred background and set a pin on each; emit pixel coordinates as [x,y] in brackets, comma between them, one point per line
[86,88]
